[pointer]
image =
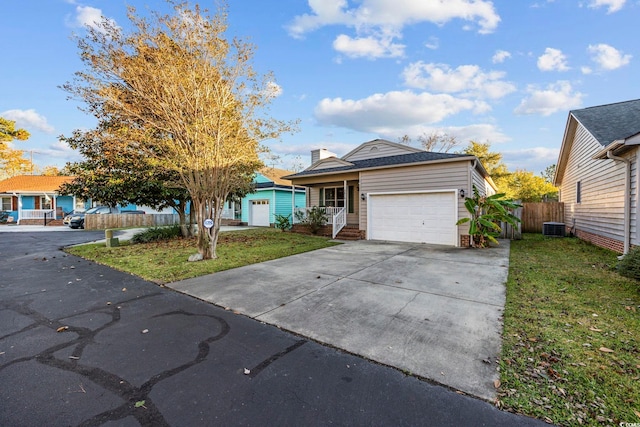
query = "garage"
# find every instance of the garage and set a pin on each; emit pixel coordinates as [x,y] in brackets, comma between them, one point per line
[259,215]
[413,217]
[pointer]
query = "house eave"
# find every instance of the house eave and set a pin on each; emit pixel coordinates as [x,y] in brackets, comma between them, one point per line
[398,165]
[616,147]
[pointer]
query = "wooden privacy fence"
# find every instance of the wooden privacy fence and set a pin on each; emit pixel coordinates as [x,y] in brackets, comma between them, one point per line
[102,222]
[535,214]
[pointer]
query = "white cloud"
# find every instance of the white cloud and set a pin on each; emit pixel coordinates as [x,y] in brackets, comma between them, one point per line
[467,80]
[586,70]
[552,60]
[433,43]
[28,119]
[463,134]
[394,14]
[608,57]
[274,90]
[87,16]
[500,56]
[372,19]
[368,47]
[558,96]
[534,159]
[381,113]
[613,5]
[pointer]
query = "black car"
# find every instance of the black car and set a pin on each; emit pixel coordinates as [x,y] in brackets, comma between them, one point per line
[77,219]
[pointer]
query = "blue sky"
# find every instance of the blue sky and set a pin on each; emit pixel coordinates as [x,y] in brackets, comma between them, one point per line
[505,72]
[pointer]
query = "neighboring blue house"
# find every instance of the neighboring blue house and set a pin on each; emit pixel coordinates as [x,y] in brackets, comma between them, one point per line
[273,195]
[28,198]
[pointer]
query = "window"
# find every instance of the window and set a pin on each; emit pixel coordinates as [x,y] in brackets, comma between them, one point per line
[45,202]
[6,204]
[579,192]
[334,197]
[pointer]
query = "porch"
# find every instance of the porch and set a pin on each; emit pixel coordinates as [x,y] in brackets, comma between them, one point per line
[336,224]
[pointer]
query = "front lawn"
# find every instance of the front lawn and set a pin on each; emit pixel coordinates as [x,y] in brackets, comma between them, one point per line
[164,262]
[571,352]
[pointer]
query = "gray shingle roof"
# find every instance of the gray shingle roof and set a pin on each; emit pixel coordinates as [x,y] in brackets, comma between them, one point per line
[611,122]
[401,159]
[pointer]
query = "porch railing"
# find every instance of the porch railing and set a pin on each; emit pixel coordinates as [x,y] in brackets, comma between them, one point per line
[303,212]
[36,213]
[339,221]
[336,217]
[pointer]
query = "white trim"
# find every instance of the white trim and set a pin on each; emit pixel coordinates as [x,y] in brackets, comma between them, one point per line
[391,193]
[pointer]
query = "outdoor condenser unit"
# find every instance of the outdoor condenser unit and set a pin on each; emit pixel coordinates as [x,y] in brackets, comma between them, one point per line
[556,229]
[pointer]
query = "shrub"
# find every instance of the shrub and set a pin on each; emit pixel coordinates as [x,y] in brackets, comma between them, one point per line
[156,234]
[283,222]
[629,266]
[314,219]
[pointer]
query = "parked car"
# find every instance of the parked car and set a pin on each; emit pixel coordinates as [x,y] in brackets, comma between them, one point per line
[76,220]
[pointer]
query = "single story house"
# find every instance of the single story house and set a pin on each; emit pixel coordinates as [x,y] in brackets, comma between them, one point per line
[597,174]
[273,196]
[390,191]
[28,198]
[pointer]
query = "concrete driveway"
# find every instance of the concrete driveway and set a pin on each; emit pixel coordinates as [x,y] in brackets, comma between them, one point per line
[431,311]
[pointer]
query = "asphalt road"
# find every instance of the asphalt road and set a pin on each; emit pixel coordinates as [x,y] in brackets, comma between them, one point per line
[82,344]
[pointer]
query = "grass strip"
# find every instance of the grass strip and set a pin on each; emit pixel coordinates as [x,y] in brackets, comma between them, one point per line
[166,261]
[571,331]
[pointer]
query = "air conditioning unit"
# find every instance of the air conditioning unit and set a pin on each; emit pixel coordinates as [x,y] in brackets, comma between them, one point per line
[555,229]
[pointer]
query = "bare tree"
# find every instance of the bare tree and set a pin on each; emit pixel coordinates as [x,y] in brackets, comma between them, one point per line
[188,95]
[438,141]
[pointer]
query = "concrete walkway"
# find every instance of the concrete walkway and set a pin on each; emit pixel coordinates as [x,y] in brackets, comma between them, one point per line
[431,311]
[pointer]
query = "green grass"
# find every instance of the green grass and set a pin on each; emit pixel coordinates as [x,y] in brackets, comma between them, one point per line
[571,352]
[166,261]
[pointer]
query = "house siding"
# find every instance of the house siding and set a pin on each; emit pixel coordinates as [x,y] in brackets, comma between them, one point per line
[601,208]
[279,202]
[373,150]
[444,176]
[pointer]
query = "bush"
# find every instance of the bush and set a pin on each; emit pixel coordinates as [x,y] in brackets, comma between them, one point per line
[156,234]
[629,266]
[314,219]
[283,222]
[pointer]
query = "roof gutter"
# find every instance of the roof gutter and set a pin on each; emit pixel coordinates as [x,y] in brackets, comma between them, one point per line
[627,198]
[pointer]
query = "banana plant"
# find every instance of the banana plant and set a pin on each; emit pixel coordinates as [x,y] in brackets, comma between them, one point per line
[486,214]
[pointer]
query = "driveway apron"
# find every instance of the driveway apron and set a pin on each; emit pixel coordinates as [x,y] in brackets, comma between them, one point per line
[432,311]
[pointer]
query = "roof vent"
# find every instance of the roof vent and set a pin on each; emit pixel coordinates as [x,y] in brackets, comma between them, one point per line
[553,229]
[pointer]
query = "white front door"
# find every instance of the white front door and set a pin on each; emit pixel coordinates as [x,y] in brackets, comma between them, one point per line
[414,217]
[259,215]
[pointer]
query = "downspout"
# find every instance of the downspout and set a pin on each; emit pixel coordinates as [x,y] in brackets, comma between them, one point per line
[627,199]
[293,203]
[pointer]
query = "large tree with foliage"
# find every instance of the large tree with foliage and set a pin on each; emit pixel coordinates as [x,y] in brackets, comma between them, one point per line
[527,187]
[114,171]
[188,97]
[519,185]
[491,160]
[12,161]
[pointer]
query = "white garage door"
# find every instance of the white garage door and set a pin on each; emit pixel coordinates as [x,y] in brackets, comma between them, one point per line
[415,217]
[259,213]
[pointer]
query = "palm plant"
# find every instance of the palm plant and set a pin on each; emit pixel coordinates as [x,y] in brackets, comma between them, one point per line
[487,212]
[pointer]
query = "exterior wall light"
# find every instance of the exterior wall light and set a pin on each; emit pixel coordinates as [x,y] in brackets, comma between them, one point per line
[462,193]
[363,197]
